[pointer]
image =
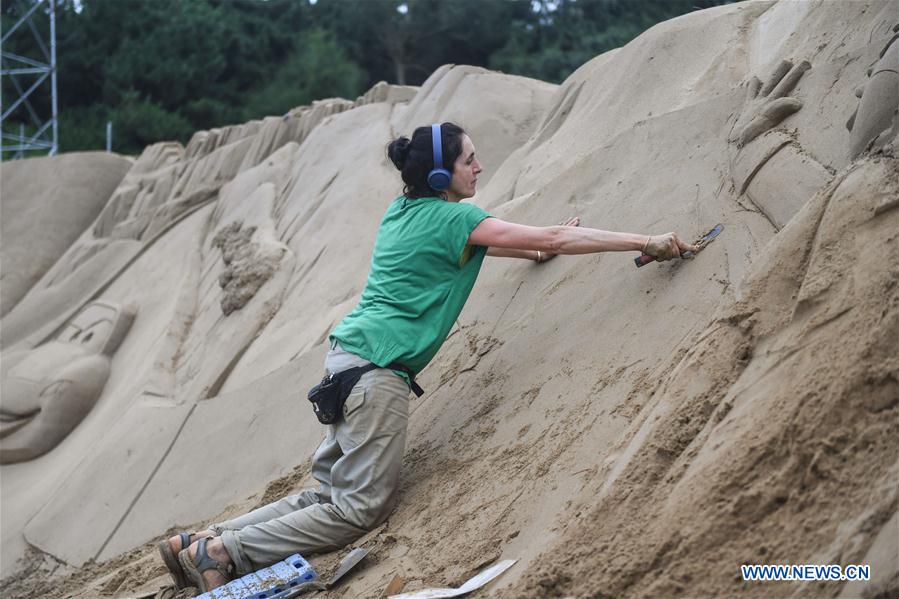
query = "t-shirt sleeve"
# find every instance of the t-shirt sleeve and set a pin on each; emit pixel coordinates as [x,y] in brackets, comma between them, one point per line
[464,220]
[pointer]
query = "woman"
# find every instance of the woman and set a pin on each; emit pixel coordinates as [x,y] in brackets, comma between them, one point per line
[427,255]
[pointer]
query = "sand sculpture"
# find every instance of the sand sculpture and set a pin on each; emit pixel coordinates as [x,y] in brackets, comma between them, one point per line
[763,157]
[249,264]
[64,193]
[768,419]
[48,390]
[636,433]
[187,349]
[876,120]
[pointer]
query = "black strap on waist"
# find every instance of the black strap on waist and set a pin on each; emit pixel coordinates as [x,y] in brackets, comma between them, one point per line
[360,370]
[418,391]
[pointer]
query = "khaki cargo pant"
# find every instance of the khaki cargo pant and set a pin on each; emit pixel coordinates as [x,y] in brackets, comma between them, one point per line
[357,465]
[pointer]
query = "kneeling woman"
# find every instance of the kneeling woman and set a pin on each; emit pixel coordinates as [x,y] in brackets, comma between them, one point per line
[427,255]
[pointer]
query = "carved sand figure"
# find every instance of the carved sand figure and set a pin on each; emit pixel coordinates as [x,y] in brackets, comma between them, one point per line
[876,120]
[771,103]
[809,305]
[48,390]
[65,193]
[800,354]
[249,264]
[763,157]
[166,184]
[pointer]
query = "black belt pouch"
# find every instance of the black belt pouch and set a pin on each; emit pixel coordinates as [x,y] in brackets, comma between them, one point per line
[328,396]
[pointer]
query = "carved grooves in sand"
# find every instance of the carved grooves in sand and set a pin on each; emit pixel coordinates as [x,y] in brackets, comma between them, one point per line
[112,279]
[767,155]
[212,392]
[146,484]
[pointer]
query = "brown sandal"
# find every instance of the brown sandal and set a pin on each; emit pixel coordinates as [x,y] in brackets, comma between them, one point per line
[170,559]
[193,568]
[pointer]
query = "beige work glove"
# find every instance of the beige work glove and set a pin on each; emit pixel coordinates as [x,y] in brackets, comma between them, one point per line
[665,247]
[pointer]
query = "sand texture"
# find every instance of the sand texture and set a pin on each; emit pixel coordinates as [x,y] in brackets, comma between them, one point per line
[620,432]
[62,193]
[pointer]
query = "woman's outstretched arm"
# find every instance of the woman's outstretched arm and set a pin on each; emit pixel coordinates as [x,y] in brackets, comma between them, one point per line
[536,256]
[493,232]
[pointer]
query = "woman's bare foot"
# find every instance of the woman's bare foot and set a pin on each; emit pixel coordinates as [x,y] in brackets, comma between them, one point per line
[215,548]
[175,542]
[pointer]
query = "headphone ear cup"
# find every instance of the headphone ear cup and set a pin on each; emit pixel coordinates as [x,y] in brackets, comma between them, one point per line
[439,179]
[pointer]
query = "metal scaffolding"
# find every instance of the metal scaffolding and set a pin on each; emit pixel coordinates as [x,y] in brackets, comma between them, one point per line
[45,133]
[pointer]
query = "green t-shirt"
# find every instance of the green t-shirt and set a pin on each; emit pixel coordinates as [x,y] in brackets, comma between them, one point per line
[422,271]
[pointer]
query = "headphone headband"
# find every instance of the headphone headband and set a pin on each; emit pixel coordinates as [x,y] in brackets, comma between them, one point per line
[437,144]
[439,178]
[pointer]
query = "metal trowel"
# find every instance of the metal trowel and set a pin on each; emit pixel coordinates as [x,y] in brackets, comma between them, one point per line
[699,243]
[346,564]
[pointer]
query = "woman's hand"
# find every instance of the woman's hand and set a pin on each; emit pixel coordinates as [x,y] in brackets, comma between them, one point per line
[667,246]
[544,256]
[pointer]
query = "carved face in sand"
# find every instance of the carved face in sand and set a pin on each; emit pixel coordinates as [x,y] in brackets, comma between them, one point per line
[92,329]
[48,390]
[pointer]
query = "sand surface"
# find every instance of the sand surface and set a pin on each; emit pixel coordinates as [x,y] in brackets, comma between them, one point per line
[64,194]
[620,432]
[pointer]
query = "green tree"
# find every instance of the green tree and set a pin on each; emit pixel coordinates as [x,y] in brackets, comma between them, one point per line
[139,122]
[403,41]
[191,63]
[316,68]
[161,69]
[558,36]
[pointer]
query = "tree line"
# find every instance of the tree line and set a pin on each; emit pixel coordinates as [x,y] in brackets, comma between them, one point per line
[162,69]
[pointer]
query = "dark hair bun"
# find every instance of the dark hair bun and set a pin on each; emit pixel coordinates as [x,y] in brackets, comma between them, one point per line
[398,151]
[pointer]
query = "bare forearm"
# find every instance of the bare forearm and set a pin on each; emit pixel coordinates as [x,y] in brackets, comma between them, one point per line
[572,240]
[583,240]
[512,253]
[569,238]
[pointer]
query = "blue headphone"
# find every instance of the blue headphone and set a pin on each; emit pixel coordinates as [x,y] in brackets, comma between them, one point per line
[439,178]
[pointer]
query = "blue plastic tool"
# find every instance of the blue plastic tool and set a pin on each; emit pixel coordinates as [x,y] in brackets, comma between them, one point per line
[274,582]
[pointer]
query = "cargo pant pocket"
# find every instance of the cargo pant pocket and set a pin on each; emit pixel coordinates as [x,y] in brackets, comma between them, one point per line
[351,429]
[354,400]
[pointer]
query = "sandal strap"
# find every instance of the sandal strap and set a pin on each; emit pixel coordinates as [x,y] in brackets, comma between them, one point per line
[185,540]
[204,562]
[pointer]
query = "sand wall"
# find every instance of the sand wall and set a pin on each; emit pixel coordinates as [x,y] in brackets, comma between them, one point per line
[47,203]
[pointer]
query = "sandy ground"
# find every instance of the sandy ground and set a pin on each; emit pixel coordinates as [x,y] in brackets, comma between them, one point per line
[619,432]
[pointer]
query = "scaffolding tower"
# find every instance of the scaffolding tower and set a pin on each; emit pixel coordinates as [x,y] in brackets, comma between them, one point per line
[42,135]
